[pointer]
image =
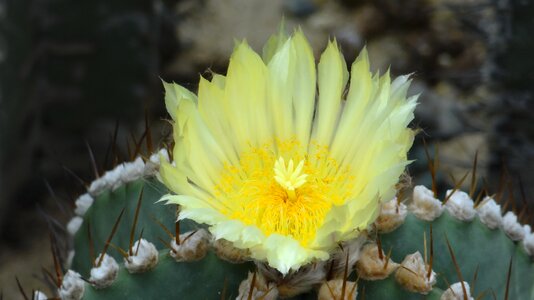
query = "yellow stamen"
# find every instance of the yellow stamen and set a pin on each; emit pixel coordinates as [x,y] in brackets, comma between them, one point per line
[281,196]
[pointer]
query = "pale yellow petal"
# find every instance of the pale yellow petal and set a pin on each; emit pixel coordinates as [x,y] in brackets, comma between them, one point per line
[174,93]
[219,80]
[174,179]
[274,43]
[332,80]
[280,90]
[285,254]
[360,91]
[305,87]
[246,99]
[211,104]
[196,209]
[241,235]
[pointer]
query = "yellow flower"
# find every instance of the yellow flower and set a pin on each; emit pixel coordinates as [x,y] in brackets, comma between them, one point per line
[276,167]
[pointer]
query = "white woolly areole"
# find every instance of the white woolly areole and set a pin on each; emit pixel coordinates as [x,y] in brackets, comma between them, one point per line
[413,274]
[113,177]
[152,165]
[38,295]
[97,187]
[392,215]
[527,229]
[455,292]
[162,153]
[72,287]
[145,257]
[528,244]
[193,246]
[489,213]
[154,158]
[512,228]
[333,289]
[83,203]
[123,173]
[374,265]
[74,225]
[424,205]
[460,205]
[133,170]
[104,275]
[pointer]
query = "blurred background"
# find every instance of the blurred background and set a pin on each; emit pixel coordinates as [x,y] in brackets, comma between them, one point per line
[74,73]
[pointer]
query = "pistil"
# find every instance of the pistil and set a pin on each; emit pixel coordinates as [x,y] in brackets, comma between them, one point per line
[289,177]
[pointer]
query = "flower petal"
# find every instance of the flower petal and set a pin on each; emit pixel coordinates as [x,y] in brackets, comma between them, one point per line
[304,87]
[173,95]
[333,77]
[285,254]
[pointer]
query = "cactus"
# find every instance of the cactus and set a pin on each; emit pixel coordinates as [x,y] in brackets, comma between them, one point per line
[478,239]
[291,238]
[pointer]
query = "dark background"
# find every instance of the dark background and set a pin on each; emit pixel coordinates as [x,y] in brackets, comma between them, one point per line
[70,71]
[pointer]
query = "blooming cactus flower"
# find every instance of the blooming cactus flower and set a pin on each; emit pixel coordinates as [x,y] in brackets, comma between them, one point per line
[283,159]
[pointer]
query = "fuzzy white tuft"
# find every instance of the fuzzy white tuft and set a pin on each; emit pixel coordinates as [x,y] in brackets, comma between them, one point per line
[38,295]
[83,203]
[193,246]
[98,186]
[113,177]
[152,165]
[489,213]
[512,228]
[527,229]
[104,275]
[528,244]
[74,225]
[374,265]
[413,274]
[72,287]
[460,206]
[133,170]
[145,257]
[392,215]
[425,206]
[455,292]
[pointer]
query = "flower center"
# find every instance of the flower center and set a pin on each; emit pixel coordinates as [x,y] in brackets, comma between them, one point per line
[280,196]
[289,177]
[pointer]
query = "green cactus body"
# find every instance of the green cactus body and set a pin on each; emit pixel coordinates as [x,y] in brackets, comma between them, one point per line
[103,214]
[204,279]
[476,248]
[170,279]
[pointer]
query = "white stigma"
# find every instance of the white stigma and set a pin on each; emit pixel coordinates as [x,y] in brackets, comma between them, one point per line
[289,177]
